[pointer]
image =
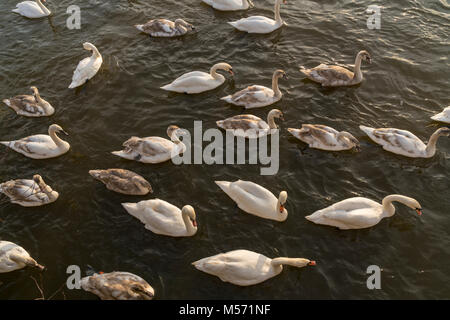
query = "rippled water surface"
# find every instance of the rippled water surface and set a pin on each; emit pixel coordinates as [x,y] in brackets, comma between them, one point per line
[407,83]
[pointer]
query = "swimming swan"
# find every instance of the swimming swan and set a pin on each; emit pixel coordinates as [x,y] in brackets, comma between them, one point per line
[443,116]
[32,9]
[359,213]
[165,28]
[325,138]
[88,67]
[41,146]
[254,199]
[153,149]
[14,257]
[29,193]
[403,142]
[250,126]
[199,81]
[258,96]
[163,218]
[30,105]
[246,268]
[118,286]
[123,181]
[229,5]
[334,76]
[260,24]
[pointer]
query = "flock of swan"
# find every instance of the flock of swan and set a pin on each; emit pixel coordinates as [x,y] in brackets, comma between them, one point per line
[239,267]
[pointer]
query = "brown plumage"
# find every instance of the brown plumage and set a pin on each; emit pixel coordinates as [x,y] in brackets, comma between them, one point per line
[123,181]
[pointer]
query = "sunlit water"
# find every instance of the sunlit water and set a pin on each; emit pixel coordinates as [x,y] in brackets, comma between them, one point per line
[406,84]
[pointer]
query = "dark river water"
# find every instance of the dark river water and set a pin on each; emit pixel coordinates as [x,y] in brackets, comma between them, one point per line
[407,82]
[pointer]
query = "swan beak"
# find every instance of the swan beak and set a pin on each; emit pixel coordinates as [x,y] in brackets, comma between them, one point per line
[312,263]
[284,1]
[419,211]
[194,223]
[282,117]
[358,148]
[64,132]
[369,60]
[231,72]
[281,208]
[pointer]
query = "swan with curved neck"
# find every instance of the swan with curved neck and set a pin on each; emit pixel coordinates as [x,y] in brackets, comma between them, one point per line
[163,218]
[14,257]
[32,9]
[199,81]
[41,146]
[246,268]
[260,24]
[335,76]
[165,28]
[250,126]
[256,96]
[88,67]
[230,5]
[359,213]
[30,105]
[153,149]
[405,143]
[443,116]
[325,138]
[255,199]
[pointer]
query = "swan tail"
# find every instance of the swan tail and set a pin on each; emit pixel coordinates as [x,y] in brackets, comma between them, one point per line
[227,98]
[316,217]
[132,208]
[7,102]
[224,185]
[16,10]
[220,125]
[367,130]
[73,85]
[95,173]
[6,143]
[304,71]
[167,87]
[140,27]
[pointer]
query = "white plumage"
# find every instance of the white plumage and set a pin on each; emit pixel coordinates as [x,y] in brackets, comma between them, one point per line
[88,67]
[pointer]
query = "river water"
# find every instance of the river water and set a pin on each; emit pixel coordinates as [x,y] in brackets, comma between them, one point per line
[406,83]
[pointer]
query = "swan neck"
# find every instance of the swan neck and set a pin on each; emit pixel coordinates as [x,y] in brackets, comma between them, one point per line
[214,73]
[279,262]
[187,222]
[275,87]
[44,8]
[271,122]
[357,72]
[277,11]
[431,146]
[58,141]
[388,207]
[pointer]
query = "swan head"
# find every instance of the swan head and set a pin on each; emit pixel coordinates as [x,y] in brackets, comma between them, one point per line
[365,56]
[410,202]
[190,212]
[282,200]
[302,262]
[181,22]
[224,66]
[88,46]
[141,290]
[172,129]
[34,90]
[276,114]
[280,74]
[56,128]
[37,178]
[445,131]
[349,137]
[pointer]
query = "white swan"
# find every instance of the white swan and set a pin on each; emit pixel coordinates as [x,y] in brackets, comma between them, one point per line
[88,67]
[163,218]
[359,213]
[258,96]
[41,146]
[30,105]
[254,199]
[118,286]
[153,149]
[199,81]
[443,116]
[14,257]
[229,5]
[165,28]
[246,268]
[325,138]
[32,9]
[335,76]
[405,143]
[260,24]
[29,193]
[123,181]
[250,126]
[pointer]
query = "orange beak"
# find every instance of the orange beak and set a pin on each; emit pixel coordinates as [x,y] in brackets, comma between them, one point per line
[419,211]
[194,223]
[281,208]
[312,263]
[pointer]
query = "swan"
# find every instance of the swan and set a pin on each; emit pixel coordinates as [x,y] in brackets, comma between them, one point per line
[254,199]
[325,138]
[405,143]
[443,116]
[199,81]
[153,149]
[246,268]
[229,5]
[335,76]
[41,146]
[118,286]
[258,96]
[29,193]
[30,105]
[14,257]
[32,9]
[260,24]
[123,181]
[250,126]
[360,213]
[165,28]
[163,218]
[88,67]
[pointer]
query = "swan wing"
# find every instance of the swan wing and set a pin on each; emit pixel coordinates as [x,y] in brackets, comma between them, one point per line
[329,74]
[256,24]
[397,141]
[86,69]
[29,9]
